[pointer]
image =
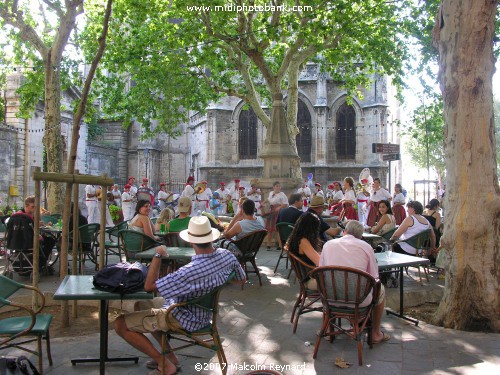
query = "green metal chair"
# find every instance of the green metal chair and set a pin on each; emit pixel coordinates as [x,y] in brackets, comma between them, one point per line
[88,244]
[112,245]
[134,242]
[210,303]
[422,243]
[32,326]
[387,235]
[284,231]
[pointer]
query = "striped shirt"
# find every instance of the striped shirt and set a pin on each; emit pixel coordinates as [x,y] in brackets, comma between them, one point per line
[204,273]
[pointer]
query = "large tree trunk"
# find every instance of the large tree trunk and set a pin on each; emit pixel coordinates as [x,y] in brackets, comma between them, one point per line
[464,34]
[53,138]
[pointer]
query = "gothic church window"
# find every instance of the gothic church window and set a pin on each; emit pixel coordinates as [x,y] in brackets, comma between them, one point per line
[346,132]
[247,134]
[304,137]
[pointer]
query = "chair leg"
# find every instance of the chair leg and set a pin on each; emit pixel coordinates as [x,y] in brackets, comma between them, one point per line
[256,270]
[220,353]
[324,324]
[40,354]
[47,345]
[360,351]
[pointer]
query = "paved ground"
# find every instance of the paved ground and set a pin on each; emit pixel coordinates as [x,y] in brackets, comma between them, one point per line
[255,327]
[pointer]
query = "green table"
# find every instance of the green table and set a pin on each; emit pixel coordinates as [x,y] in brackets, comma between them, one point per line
[177,255]
[370,237]
[80,287]
[399,261]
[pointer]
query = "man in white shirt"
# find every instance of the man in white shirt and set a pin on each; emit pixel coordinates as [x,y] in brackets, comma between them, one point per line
[224,195]
[255,195]
[133,188]
[188,191]
[351,251]
[128,206]
[93,211]
[164,196]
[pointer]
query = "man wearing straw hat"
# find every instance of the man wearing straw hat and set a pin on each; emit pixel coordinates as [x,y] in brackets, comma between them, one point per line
[208,269]
[317,207]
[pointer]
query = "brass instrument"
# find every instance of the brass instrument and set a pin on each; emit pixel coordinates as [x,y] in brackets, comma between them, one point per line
[98,193]
[199,188]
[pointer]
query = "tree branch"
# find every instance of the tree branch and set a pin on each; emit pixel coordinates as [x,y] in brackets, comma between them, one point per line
[55,7]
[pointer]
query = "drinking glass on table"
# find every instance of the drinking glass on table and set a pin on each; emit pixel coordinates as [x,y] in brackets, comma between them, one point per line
[388,250]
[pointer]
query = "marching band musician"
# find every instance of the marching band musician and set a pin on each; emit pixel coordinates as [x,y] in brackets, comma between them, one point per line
[362,199]
[145,192]
[133,188]
[335,200]
[188,191]
[224,196]
[164,196]
[378,194]
[254,194]
[203,195]
[305,192]
[319,190]
[128,205]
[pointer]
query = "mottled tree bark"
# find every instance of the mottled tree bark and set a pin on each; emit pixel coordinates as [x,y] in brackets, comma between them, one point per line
[464,34]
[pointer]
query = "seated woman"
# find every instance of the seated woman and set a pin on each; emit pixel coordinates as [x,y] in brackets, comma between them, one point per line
[387,220]
[141,221]
[242,224]
[305,242]
[414,224]
[431,213]
[166,215]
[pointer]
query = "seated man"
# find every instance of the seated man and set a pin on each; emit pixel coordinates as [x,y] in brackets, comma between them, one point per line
[351,251]
[317,207]
[294,210]
[208,269]
[243,223]
[182,221]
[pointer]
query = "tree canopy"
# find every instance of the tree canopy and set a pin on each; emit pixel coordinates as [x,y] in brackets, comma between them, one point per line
[166,57]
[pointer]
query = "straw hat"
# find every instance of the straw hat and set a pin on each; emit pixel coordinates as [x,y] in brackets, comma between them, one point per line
[317,201]
[199,231]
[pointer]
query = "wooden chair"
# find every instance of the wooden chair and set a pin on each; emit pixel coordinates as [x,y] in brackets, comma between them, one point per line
[284,231]
[32,326]
[307,299]
[210,303]
[249,245]
[342,290]
[134,242]
[422,243]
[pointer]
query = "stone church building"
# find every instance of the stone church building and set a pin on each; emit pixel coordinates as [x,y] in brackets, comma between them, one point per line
[335,140]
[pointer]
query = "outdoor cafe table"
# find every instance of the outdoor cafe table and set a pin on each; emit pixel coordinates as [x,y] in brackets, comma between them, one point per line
[181,255]
[370,237]
[80,287]
[399,261]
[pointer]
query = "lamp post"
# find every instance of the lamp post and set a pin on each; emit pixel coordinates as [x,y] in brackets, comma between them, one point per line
[146,159]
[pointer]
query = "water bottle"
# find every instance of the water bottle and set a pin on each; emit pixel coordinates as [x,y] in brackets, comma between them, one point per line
[162,228]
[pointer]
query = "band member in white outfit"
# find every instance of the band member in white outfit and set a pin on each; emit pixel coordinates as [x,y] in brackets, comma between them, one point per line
[305,191]
[128,206]
[188,191]
[224,195]
[94,213]
[255,195]
[378,194]
[133,188]
[203,198]
[164,196]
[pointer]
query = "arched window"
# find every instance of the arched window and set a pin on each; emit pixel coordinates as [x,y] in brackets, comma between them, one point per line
[247,142]
[346,132]
[304,137]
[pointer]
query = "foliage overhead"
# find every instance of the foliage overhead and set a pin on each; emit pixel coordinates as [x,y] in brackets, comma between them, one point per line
[166,57]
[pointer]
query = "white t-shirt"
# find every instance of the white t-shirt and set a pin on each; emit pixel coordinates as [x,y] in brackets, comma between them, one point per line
[379,195]
[90,189]
[277,199]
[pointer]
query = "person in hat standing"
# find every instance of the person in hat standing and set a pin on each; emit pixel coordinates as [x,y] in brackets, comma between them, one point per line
[188,191]
[164,196]
[209,268]
[235,195]
[224,196]
[317,207]
[133,188]
[145,191]
[305,192]
[319,190]
[203,198]
[128,206]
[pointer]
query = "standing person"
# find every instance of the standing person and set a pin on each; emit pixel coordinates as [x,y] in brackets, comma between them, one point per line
[215,204]
[431,213]
[146,192]
[117,195]
[208,269]
[241,194]
[305,192]
[93,211]
[291,213]
[202,202]
[164,196]
[348,210]
[319,190]
[277,200]
[378,194]
[224,198]
[351,251]
[235,195]
[188,191]
[254,194]
[133,189]
[362,199]
[398,204]
[127,204]
[335,200]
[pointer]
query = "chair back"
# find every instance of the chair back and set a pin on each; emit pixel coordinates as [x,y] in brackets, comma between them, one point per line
[343,285]
[302,269]
[113,231]
[135,242]
[284,230]
[173,239]
[250,244]
[420,241]
[88,233]
[387,235]
[7,288]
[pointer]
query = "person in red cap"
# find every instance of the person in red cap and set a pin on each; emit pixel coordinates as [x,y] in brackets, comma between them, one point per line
[305,192]
[188,191]
[319,190]
[235,195]
[203,198]
[145,192]
[128,206]
[164,196]
[133,188]
[224,196]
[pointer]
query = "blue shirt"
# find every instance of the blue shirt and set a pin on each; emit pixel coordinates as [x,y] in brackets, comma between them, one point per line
[204,273]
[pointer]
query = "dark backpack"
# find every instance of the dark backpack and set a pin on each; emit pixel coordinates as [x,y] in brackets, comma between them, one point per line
[121,278]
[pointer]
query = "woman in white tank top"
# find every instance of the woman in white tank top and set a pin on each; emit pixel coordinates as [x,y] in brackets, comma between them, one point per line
[414,224]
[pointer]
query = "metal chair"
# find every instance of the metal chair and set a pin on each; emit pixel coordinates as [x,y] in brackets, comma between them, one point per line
[307,298]
[134,242]
[284,231]
[88,244]
[342,291]
[422,243]
[249,245]
[210,303]
[112,244]
[32,326]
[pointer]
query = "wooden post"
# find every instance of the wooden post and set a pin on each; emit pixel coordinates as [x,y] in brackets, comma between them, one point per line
[76,234]
[102,233]
[35,273]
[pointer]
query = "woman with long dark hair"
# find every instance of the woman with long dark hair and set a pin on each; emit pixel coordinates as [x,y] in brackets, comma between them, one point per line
[431,213]
[141,221]
[305,242]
